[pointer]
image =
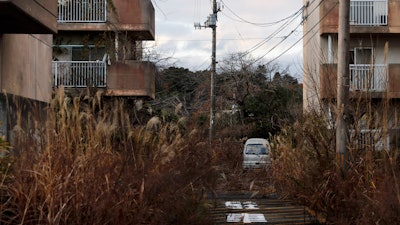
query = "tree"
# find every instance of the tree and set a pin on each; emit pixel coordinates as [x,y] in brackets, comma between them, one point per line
[237,79]
[272,108]
[267,96]
[175,92]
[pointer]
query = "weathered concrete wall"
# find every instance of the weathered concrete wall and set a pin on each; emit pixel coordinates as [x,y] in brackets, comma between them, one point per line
[131,78]
[25,65]
[394,81]
[33,16]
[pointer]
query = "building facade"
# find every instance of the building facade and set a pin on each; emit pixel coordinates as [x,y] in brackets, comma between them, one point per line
[374,67]
[99,44]
[26,29]
[71,43]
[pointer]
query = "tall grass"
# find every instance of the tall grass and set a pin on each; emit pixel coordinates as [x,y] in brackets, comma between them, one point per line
[305,167]
[92,163]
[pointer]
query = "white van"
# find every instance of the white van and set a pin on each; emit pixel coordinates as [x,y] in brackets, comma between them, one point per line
[256,153]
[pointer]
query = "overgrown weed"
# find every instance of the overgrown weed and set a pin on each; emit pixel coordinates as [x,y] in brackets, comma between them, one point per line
[305,168]
[93,164]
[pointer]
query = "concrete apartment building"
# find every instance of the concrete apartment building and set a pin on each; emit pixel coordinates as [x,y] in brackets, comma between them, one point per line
[75,44]
[99,44]
[374,70]
[26,29]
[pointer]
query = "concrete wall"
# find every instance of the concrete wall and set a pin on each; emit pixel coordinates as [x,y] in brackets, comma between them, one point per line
[394,81]
[33,16]
[131,78]
[25,65]
[134,15]
[311,56]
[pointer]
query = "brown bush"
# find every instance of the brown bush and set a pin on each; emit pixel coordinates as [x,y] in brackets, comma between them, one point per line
[91,164]
[305,168]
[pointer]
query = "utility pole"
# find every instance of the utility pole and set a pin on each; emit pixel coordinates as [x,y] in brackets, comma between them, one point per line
[212,23]
[343,83]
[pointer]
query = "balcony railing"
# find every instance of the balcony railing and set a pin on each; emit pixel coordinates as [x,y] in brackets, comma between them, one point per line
[369,12]
[82,11]
[367,77]
[79,74]
[373,139]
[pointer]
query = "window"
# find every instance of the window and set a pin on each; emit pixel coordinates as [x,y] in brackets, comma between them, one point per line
[256,149]
[362,55]
[90,53]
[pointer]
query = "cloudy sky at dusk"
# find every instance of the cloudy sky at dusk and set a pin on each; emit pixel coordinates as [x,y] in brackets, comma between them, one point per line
[267,30]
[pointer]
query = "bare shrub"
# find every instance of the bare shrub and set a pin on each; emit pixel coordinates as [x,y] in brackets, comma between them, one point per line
[98,167]
[305,167]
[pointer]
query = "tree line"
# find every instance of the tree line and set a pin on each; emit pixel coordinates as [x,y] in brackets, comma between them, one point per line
[255,99]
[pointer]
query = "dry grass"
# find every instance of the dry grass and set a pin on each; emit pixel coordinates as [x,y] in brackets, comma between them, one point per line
[93,164]
[305,168]
[231,177]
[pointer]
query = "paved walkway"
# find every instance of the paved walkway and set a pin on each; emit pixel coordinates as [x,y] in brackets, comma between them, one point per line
[239,208]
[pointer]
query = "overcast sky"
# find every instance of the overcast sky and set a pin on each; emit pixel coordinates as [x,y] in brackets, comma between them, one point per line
[243,26]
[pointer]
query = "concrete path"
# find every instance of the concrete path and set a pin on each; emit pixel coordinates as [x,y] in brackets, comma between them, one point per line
[242,208]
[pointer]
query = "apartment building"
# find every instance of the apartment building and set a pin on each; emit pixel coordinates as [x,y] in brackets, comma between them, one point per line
[99,45]
[26,29]
[374,69]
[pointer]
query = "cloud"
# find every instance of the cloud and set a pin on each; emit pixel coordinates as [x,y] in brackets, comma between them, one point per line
[190,48]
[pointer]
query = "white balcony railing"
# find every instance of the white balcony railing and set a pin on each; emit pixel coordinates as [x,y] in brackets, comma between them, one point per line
[369,12]
[367,77]
[79,74]
[373,139]
[82,11]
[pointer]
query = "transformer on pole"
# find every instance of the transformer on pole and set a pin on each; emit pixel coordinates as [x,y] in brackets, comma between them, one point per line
[211,22]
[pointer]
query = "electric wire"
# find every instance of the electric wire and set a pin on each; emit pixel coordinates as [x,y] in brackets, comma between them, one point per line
[303,36]
[271,36]
[300,39]
[288,20]
[240,19]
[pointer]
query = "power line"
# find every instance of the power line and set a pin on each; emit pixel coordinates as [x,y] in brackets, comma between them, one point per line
[220,39]
[271,36]
[304,35]
[283,39]
[240,19]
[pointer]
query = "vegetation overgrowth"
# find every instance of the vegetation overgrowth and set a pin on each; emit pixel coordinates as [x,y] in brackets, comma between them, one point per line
[101,160]
[306,168]
[92,164]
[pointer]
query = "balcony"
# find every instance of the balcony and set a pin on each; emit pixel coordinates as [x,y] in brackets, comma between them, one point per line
[366,77]
[368,12]
[134,16]
[370,139]
[28,17]
[129,79]
[82,11]
[79,74]
[371,81]
[366,17]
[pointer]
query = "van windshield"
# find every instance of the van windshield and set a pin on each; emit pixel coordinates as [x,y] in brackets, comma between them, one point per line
[256,149]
